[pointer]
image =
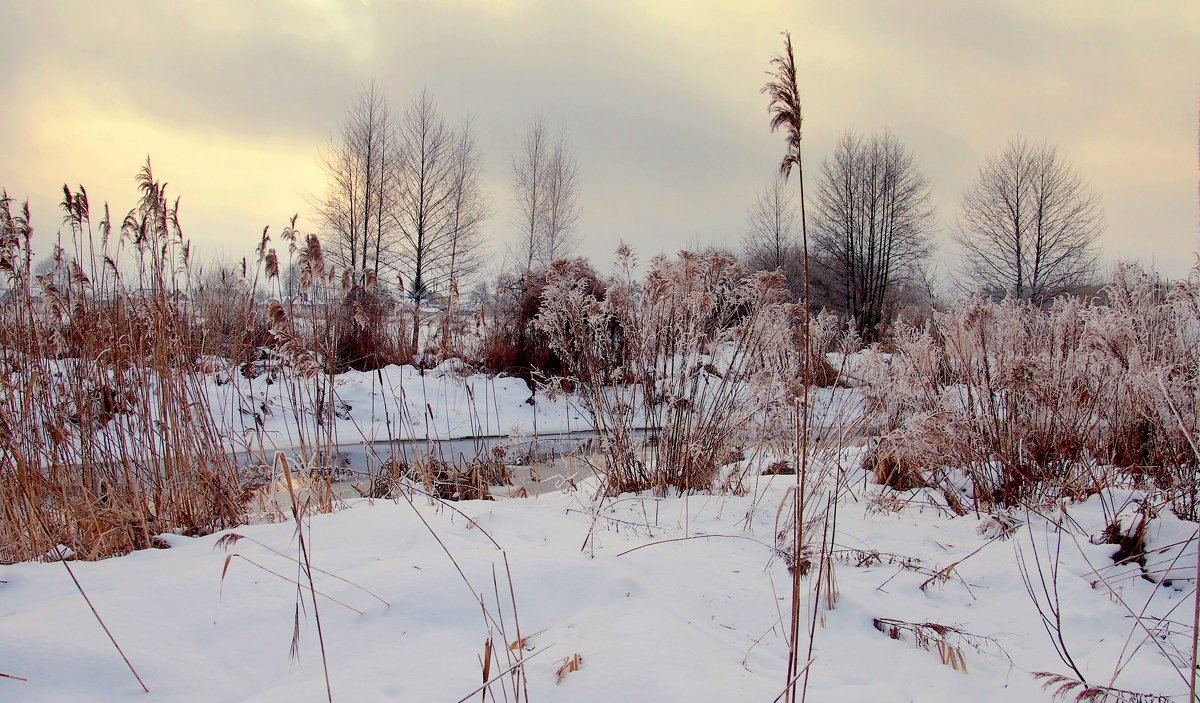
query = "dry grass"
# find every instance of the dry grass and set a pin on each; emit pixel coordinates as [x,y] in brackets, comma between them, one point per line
[108,434]
[566,666]
[438,478]
[108,439]
[1067,688]
[927,636]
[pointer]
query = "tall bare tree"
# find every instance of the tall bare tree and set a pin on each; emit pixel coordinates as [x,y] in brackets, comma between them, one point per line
[770,241]
[426,196]
[469,207]
[529,177]
[1028,225]
[361,163]
[404,195]
[386,181]
[546,184]
[561,212]
[336,209]
[441,205]
[871,222]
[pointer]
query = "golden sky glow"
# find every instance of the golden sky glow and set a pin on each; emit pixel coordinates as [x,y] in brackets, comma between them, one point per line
[659,99]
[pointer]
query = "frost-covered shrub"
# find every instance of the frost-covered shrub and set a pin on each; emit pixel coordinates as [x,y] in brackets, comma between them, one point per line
[994,388]
[1022,397]
[689,354]
[511,342]
[1144,353]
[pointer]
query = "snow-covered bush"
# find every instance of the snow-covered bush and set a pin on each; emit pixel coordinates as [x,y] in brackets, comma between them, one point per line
[1022,398]
[689,355]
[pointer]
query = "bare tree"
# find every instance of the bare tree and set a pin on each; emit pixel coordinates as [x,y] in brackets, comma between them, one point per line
[388,172]
[361,163]
[469,208]
[1029,225]
[529,176]
[871,223]
[770,242]
[426,195]
[561,212]
[546,183]
[336,209]
[404,197]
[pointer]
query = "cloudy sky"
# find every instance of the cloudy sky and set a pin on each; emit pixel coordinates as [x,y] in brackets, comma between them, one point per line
[660,100]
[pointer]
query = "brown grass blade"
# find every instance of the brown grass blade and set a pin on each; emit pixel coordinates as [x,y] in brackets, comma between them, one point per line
[570,664]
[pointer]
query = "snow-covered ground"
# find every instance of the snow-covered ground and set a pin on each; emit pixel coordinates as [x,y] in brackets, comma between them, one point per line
[396,402]
[664,599]
[402,403]
[677,598]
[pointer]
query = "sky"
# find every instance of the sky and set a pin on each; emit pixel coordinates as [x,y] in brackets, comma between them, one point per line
[660,101]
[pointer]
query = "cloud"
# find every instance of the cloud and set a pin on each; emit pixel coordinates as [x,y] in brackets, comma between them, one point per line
[659,99]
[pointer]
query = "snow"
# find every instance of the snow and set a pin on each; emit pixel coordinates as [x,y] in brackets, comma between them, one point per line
[1170,548]
[399,402]
[664,598]
[402,403]
[278,409]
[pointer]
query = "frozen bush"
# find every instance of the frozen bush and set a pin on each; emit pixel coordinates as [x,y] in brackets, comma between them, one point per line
[1023,397]
[687,357]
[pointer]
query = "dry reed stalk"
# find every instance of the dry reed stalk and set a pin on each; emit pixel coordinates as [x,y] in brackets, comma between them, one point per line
[513,667]
[494,621]
[297,514]
[229,540]
[786,112]
[95,613]
[487,666]
[115,443]
[568,665]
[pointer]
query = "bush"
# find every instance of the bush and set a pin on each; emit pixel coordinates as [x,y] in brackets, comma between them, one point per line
[690,355]
[232,323]
[1022,398]
[364,338]
[512,343]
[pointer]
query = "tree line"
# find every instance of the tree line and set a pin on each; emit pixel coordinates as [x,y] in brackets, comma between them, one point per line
[404,200]
[1027,227]
[405,203]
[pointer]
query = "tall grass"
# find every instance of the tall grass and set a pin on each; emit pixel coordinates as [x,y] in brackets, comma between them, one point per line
[108,439]
[107,355]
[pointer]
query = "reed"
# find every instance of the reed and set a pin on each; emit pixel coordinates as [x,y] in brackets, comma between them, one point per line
[108,437]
